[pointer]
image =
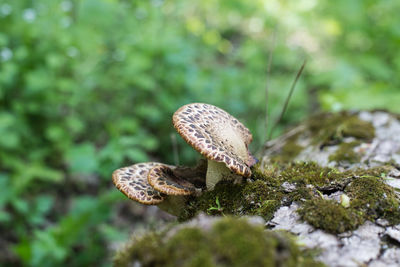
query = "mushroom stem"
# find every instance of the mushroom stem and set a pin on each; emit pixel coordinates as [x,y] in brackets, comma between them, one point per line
[217,171]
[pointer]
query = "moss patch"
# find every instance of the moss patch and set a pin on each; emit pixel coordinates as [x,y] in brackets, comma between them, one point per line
[229,242]
[328,128]
[226,198]
[353,126]
[329,216]
[374,199]
[265,193]
[257,198]
[261,197]
[288,152]
[346,153]
[370,197]
[304,173]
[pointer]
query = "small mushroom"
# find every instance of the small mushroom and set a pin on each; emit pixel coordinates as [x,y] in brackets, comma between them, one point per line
[162,179]
[219,137]
[168,193]
[132,182]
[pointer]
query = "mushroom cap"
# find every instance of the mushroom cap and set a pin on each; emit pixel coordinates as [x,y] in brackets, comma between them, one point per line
[162,179]
[132,182]
[216,135]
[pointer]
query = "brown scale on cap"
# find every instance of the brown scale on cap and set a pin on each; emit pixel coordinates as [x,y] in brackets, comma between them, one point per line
[215,134]
[162,179]
[132,182]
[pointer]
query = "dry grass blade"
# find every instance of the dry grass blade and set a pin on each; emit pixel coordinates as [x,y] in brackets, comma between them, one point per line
[288,98]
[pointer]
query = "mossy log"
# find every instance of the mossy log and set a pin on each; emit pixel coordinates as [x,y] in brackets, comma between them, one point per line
[332,181]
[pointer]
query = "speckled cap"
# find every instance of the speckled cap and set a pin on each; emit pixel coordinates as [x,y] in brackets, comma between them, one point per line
[163,179]
[215,134]
[132,182]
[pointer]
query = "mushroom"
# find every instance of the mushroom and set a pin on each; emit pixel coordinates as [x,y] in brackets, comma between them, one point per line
[162,179]
[219,137]
[133,181]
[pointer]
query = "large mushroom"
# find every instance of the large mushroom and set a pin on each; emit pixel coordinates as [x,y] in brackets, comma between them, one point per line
[219,137]
[153,183]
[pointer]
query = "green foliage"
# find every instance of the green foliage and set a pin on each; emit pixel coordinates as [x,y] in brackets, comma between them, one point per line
[363,68]
[89,86]
[79,229]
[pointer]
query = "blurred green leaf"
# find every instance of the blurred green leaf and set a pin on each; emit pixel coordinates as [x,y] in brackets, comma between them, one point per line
[28,173]
[82,159]
[51,246]
[9,137]
[136,155]
[42,206]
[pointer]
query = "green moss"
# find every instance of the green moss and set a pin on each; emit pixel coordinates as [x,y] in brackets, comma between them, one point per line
[235,243]
[303,182]
[326,129]
[301,193]
[307,180]
[124,256]
[305,173]
[270,174]
[378,172]
[261,197]
[229,242]
[229,197]
[267,209]
[331,128]
[181,246]
[258,172]
[152,251]
[288,152]
[353,126]
[330,216]
[371,196]
[346,153]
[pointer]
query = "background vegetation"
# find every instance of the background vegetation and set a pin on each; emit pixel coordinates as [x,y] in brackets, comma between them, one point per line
[87,86]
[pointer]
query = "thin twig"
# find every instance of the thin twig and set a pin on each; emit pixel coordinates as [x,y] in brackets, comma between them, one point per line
[287,99]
